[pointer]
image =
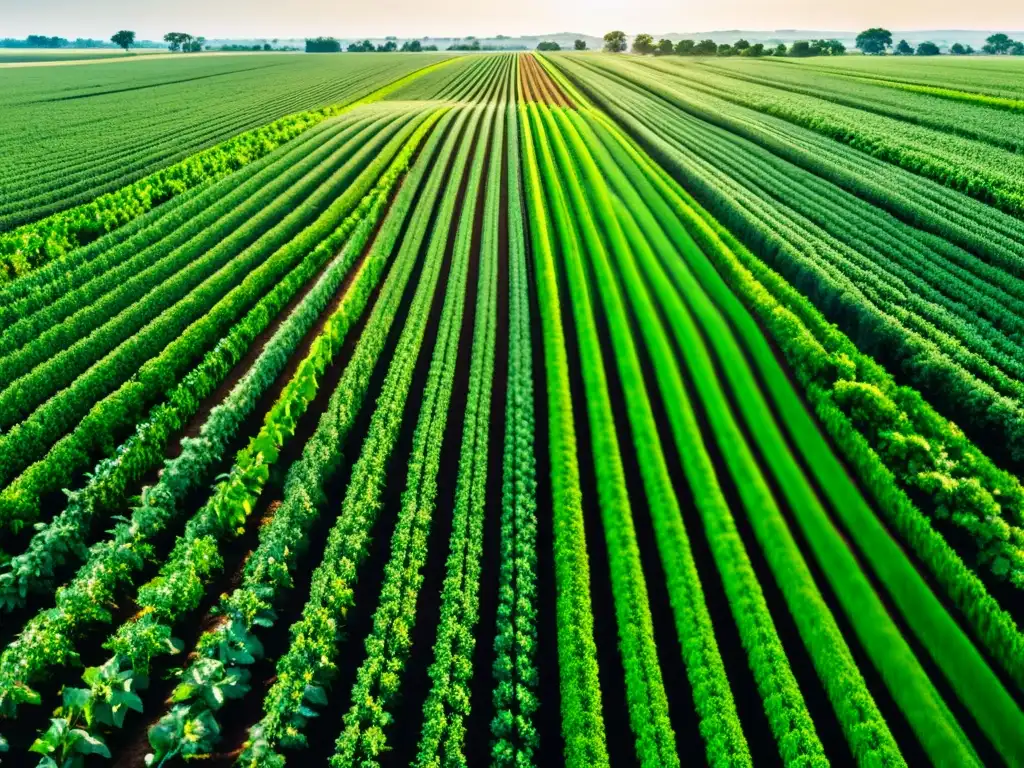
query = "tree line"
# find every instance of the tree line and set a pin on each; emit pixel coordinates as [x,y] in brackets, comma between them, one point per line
[333,45]
[877,42]
[643,44]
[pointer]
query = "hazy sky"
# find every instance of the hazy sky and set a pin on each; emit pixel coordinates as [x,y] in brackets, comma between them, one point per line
[345,18]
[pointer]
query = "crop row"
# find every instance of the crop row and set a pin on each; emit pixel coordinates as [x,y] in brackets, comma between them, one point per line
[84,601]
[35,374]
[582,720]
[194,326]
[889,337]
[921,202]
[306,667]
[448,703]
[923,612]
[514,670]
[107,142]
[646,697]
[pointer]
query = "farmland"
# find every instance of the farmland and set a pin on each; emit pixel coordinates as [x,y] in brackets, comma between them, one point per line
[513,409]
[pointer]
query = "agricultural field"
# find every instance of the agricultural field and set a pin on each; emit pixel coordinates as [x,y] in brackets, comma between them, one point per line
[518,410]
[50,55]
[124,120]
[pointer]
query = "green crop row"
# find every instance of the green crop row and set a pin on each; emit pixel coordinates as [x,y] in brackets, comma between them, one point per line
[36,374]
[25,248]
[448,703]
[223,653]
[720,725]
[940,480]
[364,738]
[183,578]
[582,720]
[122,407]
[645,692]
[922,615]
[98,310]
[306,667]
[195,554]
[65,537]
[515,644]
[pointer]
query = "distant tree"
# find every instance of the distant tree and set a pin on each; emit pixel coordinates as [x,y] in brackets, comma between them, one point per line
[664,48]
[828,47]
[801,49]
[579,45]
[548,45]
[726,50]
[928,48]
[705,48]
[361,47]
[1017,49]
[268,47]
[42,41]
[643,44]
[429,47]
[388,47]
[685,48]
[780,49]
[757,49]
[195,45]
[903,48]
[874,41]
[615,42]
[412,46]
[124,39]
[175,40]
[998,43]
[323,45]
[741,45]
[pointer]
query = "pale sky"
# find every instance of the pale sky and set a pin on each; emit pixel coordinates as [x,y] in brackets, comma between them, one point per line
[415,18]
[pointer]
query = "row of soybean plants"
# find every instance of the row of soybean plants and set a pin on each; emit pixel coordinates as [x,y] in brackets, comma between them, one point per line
[306,669]
[943,211]
[310,663]
[994,174]
[962,666]
[104,215]
[972,121]
[50,640]
[863,295]
[998,86]
[94,391]
[50,173]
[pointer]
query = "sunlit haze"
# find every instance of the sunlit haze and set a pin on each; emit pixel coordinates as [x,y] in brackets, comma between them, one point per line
[414,18]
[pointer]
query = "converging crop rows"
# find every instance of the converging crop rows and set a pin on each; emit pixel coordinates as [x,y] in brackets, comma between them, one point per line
[516,410]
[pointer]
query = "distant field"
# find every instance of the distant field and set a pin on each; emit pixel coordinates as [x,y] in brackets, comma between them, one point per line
[120,122]
[18,55]
[998,75]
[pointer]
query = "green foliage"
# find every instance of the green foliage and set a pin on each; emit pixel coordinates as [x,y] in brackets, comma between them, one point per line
[323,45]
[927,49]
[548,46]
[123,39]
[643,44]
[309,663]
[874,41]
[237,112]
[582,721]
[615,42]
